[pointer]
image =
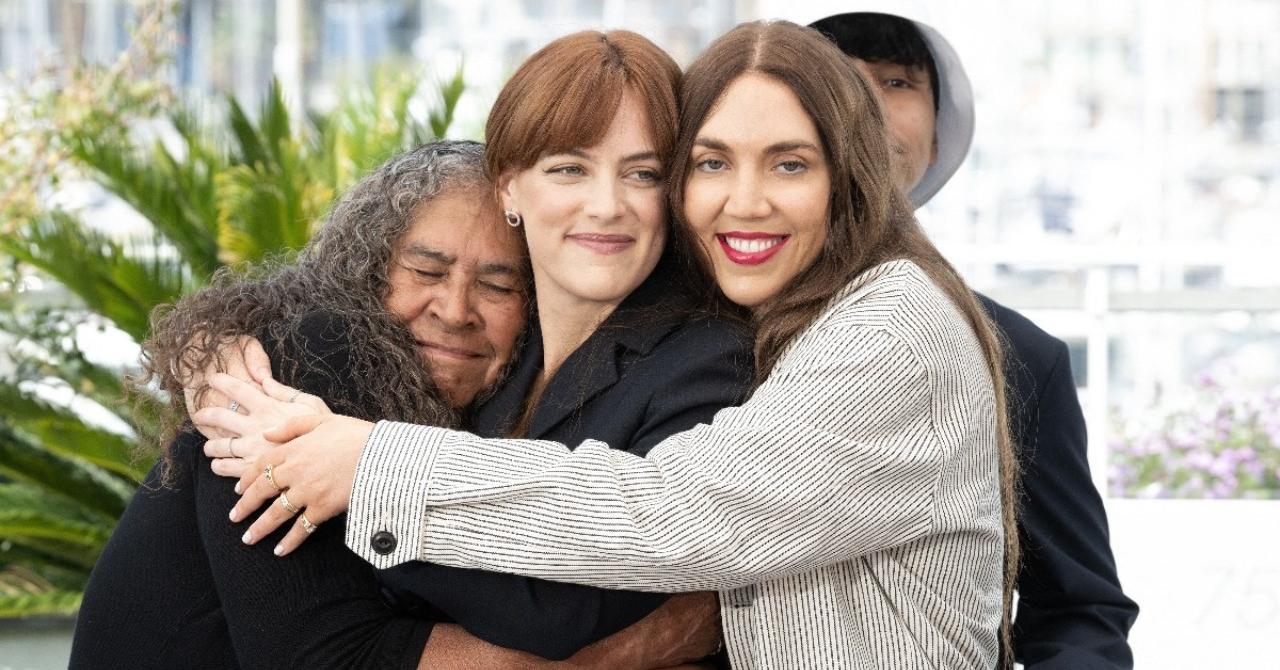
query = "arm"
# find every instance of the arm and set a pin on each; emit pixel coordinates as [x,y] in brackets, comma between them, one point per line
[1072,612]
[840,435]
[556,619]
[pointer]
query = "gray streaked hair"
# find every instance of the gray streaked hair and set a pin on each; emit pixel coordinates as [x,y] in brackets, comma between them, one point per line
[341,273]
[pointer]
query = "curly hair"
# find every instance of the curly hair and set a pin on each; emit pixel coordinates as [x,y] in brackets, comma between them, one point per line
[343,273]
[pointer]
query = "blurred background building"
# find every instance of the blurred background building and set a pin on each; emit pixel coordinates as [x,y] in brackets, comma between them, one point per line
[1123,189]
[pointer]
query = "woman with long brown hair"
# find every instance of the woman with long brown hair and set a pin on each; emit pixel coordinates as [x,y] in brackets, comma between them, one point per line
[855,512]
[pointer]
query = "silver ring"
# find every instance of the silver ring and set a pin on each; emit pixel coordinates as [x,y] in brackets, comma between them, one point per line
[306,524]
[284,502]
[234,406]
[296,393]
[231,447]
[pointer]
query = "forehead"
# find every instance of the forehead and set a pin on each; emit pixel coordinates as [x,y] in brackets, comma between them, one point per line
[758,111]
[464,225]
[629,131]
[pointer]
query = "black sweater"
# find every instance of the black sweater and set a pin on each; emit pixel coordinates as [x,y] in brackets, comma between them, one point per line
[176,588]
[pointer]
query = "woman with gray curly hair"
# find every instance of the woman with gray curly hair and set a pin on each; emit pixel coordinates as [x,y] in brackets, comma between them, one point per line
[414,256]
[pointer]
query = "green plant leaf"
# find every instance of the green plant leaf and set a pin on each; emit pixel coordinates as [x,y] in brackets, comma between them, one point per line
[23,459]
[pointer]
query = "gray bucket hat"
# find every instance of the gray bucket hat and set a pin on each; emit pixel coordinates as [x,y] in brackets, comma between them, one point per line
[954,125]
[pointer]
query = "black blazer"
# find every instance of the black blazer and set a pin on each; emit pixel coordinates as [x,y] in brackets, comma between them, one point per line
[645,374]
[1072,612]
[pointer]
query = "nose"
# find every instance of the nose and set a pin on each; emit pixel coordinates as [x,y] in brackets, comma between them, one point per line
[605,201]
[747,198]
[452,307]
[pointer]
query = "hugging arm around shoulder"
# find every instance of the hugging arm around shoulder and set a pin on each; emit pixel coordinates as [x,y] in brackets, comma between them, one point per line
[555,619]
[834,456]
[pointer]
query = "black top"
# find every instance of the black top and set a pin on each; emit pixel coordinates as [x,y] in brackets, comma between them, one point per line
[176,588]
[1072,612]
[645,374]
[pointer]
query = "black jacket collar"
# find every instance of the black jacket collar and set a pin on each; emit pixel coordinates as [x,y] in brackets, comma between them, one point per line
[633,330]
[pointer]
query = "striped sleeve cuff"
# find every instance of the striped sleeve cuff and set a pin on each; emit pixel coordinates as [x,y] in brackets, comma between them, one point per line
[389,496]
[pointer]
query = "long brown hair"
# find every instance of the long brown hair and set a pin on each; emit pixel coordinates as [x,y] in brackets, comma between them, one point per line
[870,221]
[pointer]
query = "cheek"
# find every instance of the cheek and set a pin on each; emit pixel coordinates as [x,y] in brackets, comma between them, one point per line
[699,208]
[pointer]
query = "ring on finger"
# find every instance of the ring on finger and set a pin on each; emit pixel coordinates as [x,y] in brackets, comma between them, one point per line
[269,473]
[288,506]
[231,447]
[306,523]
[234,406]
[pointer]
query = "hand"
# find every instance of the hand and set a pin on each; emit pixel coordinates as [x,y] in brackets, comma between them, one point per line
[268,407]
[245,359]
[314,467]
[684,629]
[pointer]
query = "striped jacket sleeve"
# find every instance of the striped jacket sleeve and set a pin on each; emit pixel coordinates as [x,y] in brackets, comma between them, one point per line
[836,455]
[833,457]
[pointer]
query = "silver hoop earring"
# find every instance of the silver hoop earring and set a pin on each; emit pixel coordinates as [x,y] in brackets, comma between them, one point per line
[513,218]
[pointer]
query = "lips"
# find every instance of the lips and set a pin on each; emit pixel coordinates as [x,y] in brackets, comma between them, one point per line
[750,248]
[601,243]
[451,353]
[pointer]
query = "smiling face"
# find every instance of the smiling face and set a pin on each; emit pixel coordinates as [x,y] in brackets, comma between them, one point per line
[594,217]
[758,193]
[906,96]
[456,282]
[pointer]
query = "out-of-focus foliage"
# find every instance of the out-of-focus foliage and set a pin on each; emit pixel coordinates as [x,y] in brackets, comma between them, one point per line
[217,186]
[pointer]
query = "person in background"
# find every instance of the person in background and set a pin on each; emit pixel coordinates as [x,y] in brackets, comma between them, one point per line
[1072,612]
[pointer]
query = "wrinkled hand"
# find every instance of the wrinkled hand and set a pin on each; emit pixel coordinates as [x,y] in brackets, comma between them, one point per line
[314,467]
[245,360]
[683,631]
[267,407]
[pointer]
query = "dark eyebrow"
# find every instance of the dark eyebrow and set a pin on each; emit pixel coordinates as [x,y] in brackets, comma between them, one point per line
[791,145]
[499,269]
[641,156]
[711,143]
[427,253]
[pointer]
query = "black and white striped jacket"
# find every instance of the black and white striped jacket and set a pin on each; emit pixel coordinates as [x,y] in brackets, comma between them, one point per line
[848,513]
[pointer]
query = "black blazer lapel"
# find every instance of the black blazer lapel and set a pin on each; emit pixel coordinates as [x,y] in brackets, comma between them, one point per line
[497,416]
[587,372]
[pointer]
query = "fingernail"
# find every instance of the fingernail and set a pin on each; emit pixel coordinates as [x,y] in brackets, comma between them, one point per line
[237,488]
[232,515]
[278,551]
[247,538]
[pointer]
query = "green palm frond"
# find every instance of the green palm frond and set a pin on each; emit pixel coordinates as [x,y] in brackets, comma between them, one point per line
[64,432]
[220,191]
[441,118]
[176,196]
[122,281]
[268,201]
[24,459]
[25,593]
[29,517]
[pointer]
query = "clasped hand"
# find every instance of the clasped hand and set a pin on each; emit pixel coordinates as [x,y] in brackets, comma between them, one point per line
[289,449]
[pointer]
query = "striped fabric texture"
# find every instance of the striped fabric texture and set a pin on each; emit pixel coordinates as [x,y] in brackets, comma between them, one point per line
[848,513]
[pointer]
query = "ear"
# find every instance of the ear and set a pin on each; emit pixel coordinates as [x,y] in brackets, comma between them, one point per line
[506,197]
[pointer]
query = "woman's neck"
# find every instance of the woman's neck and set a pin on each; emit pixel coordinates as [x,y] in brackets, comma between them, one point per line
[566,321]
